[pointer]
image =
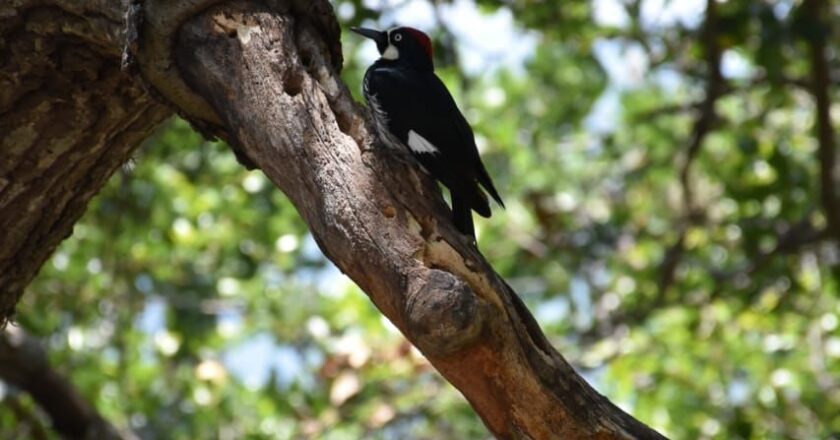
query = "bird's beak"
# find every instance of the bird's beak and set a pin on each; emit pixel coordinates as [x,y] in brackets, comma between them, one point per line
[379,37]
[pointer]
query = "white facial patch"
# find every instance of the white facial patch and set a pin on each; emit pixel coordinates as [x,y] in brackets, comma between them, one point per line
[391,52]
[419,144]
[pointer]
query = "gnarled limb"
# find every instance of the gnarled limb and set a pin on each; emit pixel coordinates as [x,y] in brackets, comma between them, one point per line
[268,75]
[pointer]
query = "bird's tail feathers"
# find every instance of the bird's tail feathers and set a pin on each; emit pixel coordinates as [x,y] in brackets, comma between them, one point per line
[479,202]
[462,214]
[487,183]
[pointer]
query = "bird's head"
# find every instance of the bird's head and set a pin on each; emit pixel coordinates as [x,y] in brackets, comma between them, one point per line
[404,45]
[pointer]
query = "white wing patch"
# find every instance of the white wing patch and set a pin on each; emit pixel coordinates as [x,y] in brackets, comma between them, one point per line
[419,144]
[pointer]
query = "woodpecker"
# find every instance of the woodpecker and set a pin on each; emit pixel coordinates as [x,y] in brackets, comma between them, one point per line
[412,109]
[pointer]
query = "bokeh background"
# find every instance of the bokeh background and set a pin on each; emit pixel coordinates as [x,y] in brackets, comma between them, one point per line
[664,224]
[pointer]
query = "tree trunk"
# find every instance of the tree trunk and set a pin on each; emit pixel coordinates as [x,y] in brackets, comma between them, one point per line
[264,76]
[68,119]
[24,365]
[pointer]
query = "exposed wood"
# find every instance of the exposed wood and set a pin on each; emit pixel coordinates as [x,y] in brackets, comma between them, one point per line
[68,119]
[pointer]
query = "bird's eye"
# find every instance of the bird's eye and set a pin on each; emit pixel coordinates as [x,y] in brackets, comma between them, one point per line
[398,37]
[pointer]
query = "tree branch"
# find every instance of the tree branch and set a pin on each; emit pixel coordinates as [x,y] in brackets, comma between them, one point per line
[820,84]
[69,119]
[269,76]
[715,87]
[264,76]
[24,365]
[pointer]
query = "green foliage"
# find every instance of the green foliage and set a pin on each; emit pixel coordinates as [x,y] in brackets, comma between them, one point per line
[191,302]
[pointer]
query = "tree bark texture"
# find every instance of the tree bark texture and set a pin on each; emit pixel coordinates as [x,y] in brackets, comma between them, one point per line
[264,76]
[272,82]
[24,365]
[68,119]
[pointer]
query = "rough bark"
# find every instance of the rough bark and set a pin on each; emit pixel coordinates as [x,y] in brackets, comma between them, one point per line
[271,81]
[68,119]
[24,365]
[264,76]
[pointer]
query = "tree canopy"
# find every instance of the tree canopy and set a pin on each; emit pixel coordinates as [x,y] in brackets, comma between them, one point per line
[672,192]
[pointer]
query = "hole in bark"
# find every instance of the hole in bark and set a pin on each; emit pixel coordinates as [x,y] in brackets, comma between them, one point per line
[293,83]
[344,122]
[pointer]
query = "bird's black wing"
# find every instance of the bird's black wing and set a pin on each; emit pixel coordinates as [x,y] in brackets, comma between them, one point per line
[481,173]
[418,101]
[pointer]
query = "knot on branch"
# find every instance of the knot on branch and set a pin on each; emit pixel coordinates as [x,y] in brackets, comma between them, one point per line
[443,314]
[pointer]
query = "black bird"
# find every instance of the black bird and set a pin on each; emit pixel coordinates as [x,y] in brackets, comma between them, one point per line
[413,109]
